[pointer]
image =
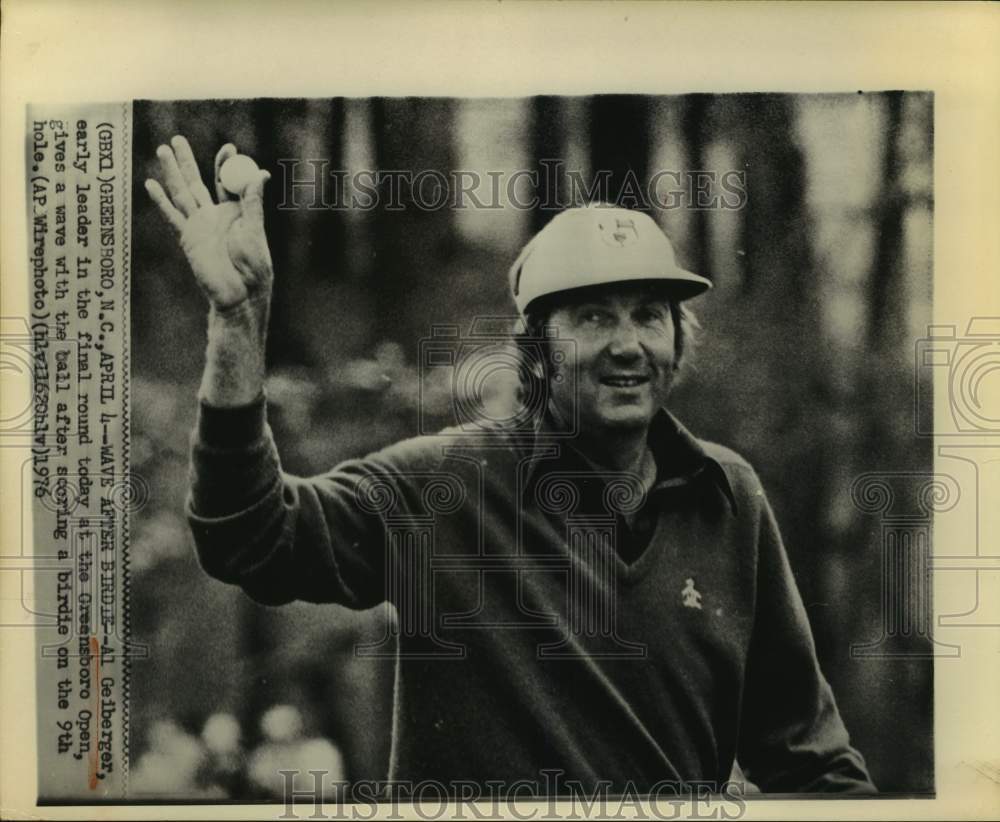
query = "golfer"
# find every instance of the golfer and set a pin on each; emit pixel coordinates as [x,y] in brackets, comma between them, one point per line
[589,590]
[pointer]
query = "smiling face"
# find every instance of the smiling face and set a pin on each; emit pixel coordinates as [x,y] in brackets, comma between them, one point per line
[623,359]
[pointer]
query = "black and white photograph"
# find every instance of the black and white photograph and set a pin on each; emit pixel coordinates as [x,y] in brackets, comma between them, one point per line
[581,388]
[548,411]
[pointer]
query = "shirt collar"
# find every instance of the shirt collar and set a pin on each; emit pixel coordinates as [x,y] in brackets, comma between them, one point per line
[680,456]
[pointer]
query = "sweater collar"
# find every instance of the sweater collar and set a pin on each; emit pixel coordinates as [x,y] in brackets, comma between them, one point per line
[681,458]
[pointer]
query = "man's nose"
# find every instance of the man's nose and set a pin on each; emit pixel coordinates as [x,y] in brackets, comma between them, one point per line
[625,341]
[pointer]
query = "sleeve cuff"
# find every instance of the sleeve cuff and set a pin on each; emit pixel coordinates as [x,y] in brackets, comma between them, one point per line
[234,426]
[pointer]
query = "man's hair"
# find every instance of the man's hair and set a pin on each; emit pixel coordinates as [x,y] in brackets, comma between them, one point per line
[532,342]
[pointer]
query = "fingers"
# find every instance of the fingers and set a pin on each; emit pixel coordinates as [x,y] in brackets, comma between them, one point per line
[181,195]
[189,171]
[227,151]
[159,196]
[252,201]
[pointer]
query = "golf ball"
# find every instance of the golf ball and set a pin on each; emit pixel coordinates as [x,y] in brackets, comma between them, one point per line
[238,172]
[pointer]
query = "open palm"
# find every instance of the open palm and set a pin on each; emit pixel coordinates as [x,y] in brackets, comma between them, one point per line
[224,242]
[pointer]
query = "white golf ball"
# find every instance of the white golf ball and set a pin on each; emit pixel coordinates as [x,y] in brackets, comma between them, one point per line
[238,172]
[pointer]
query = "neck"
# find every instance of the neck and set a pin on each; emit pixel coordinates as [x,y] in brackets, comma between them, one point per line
[616,449]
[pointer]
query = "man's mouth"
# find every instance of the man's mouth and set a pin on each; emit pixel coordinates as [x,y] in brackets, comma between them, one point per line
[625,380]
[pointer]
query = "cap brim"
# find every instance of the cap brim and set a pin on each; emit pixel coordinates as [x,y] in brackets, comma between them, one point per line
[685,286]
[689,284]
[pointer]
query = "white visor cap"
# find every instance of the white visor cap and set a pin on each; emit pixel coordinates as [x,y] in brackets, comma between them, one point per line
[596,245]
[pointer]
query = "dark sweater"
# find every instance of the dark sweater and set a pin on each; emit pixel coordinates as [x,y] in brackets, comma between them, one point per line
[550,617]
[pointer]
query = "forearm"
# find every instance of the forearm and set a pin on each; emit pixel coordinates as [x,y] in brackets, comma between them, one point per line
[234,357]
[277,536]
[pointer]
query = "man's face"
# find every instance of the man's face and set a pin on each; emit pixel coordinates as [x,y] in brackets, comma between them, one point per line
[622,364]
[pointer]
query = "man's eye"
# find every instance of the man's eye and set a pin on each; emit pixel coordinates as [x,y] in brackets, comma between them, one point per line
[592,316]
[648,315]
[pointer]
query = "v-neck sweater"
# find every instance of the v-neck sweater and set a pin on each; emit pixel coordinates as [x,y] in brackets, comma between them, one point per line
[524,644]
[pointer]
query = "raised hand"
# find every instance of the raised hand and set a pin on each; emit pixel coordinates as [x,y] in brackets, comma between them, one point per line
[224,241]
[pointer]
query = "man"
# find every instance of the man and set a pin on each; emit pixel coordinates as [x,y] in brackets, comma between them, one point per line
[596,594]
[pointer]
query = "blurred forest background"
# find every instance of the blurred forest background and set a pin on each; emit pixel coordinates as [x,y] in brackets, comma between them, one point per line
[822,285]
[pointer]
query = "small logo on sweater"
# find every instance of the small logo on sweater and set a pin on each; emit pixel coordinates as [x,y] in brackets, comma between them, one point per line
[691,595]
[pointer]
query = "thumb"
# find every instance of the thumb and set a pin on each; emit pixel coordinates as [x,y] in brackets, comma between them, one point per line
[252,199]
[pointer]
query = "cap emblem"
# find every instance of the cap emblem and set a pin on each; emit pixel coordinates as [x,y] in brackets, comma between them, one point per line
[618,233]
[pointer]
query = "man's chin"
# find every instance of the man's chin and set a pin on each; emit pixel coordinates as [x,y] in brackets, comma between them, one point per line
[624,419]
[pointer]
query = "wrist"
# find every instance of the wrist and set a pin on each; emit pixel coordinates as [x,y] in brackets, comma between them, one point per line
[249,316]
[250,307]
[234,357]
